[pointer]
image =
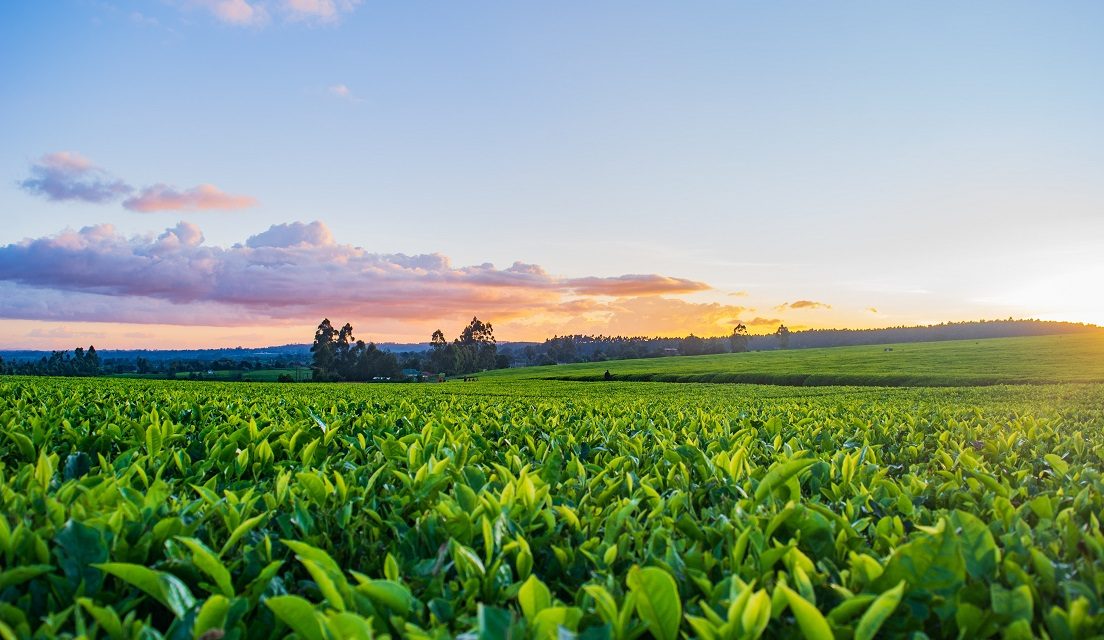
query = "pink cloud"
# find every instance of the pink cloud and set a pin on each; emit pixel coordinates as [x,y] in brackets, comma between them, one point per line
[235,12]
[67,161]
[205,197]
[318,10]
[289,273]
[253,13]
[67,175]
[634,285]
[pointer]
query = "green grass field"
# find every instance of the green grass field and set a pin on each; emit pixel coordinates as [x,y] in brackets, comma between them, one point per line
[1032,360]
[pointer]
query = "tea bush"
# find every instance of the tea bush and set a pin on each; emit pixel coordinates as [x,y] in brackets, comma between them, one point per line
[147,509]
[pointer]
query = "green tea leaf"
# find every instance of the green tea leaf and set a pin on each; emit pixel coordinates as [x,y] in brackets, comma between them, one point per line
[19,575]
[879,612]
[240,531]
[388,594]
[657,601]
[206,561]
[813,624]
[162,587]
[212,615]
[533,596]
[779,474]
[298,614]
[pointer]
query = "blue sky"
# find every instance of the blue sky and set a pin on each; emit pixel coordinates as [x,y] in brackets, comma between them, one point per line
[932,161]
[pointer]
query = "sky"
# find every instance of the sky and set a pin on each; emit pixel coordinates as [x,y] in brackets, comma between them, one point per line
[207,173]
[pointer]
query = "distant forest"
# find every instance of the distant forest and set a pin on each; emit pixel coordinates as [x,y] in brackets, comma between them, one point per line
[588,348]
[336,355]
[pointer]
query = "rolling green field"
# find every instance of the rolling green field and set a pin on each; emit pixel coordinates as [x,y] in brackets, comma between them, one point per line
[544,509]
[1032,360]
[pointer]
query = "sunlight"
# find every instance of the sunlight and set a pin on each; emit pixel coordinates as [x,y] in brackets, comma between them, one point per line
[1071,296]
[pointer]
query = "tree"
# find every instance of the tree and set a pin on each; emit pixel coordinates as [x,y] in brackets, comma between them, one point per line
[691,345]
[338,355]
[323,357]
[782,334]
[345,355]
[562,349]
[442,357]
[738,341]
[477,347]
[477,332]
[93,360]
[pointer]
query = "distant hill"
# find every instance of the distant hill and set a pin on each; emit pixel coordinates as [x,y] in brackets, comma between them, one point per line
[281,352]
[972,330]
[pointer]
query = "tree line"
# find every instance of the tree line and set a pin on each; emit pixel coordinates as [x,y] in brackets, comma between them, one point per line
[58,363]
[598,348]
[589,348]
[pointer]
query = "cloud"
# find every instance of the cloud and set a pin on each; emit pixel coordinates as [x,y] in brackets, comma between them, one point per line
[872,310]
[184,234]
[205,197]
[634,285]
[67,175]
[343,92]
[803,304]
[637,316]
[241,13]
[256,13]
[318,10]
[657,315]
[295,272]
[763,322]
[295,234]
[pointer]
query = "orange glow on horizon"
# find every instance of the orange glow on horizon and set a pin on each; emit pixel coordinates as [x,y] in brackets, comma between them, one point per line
[39,335]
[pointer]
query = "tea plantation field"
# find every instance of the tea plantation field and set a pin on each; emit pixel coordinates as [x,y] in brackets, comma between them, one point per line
[150,509]
[1028,360]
